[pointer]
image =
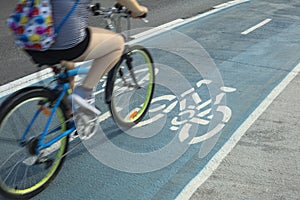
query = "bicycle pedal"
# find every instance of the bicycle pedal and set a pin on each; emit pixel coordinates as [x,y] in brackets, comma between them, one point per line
[86,127]
[46,161]
[73,136]
[93,120]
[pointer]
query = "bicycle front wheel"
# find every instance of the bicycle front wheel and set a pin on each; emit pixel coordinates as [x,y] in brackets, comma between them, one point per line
[24,173]
[130,87]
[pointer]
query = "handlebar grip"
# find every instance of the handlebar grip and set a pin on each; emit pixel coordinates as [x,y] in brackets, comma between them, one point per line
[118,6]
[143,16]
[97,6]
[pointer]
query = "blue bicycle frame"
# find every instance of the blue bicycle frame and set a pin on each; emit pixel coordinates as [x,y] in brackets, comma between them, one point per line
[63,89]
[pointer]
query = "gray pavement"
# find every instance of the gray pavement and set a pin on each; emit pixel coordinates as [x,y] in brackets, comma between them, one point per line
[265,163]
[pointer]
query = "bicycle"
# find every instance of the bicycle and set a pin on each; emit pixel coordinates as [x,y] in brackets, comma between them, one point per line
[35,122]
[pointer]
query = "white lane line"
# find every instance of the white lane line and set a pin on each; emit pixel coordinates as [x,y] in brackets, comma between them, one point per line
[155,30]
[256,26]
[29,80]
[216,160]
[25,82]
[213,11]
[229,3]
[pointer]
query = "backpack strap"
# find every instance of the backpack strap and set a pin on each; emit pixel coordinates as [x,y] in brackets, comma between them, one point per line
[66,17]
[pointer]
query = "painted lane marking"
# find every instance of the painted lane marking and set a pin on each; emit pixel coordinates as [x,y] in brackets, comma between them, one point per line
[213,11]
[24,82]
[253,28]
[29,80]
[216,160]
[229,3]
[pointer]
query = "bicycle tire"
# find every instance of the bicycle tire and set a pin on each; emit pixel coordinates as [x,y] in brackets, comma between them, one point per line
[17,177]
[131,109]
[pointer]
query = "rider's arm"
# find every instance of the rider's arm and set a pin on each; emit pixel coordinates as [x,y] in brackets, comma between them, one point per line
[135,8]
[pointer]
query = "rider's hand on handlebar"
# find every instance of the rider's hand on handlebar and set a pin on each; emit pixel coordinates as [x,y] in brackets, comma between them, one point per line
[142,13]
[137,10]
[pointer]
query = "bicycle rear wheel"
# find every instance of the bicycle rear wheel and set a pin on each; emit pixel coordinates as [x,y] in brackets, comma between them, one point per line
[23,173]
[130,87]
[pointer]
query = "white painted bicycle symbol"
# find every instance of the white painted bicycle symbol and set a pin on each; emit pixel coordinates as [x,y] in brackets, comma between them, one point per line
[199,113]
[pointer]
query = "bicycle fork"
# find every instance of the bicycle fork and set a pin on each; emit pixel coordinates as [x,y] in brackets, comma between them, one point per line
[132,74]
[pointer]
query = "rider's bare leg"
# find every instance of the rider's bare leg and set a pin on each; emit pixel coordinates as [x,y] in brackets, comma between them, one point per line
[105,47]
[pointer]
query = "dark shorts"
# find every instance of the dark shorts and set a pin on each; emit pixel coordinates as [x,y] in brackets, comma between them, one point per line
[52,57]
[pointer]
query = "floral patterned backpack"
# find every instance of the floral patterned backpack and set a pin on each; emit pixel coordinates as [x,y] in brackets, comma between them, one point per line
[32,24]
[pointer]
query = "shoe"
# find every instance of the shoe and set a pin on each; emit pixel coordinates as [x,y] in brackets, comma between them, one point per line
[85,112]
[85,99]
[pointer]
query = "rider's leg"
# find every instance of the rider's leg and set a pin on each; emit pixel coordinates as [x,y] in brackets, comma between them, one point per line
[106,48]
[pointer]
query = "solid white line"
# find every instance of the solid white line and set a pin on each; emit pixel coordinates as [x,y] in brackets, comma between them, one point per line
[152,31]
[212,165]
[256,26]
[24,82]
[31,79]
[216,10]
[228,4]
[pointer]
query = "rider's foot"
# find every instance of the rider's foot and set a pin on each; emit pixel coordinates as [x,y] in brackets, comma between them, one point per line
[85,99]
[86,115]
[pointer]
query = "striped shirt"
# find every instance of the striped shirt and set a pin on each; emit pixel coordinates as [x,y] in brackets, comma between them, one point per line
[73,31]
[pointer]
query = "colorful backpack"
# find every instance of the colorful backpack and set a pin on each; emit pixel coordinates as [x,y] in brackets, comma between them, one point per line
[32,24]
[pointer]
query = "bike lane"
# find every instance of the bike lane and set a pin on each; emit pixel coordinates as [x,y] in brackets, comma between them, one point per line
[251,66]
[254,64]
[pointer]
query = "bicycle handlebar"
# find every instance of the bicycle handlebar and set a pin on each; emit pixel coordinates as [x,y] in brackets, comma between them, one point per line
[96,9]
[108,14]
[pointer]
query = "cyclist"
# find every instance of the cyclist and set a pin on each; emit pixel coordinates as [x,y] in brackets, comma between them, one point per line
[77,42]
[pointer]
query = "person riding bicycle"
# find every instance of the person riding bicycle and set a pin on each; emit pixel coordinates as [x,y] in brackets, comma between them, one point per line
[77,42]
